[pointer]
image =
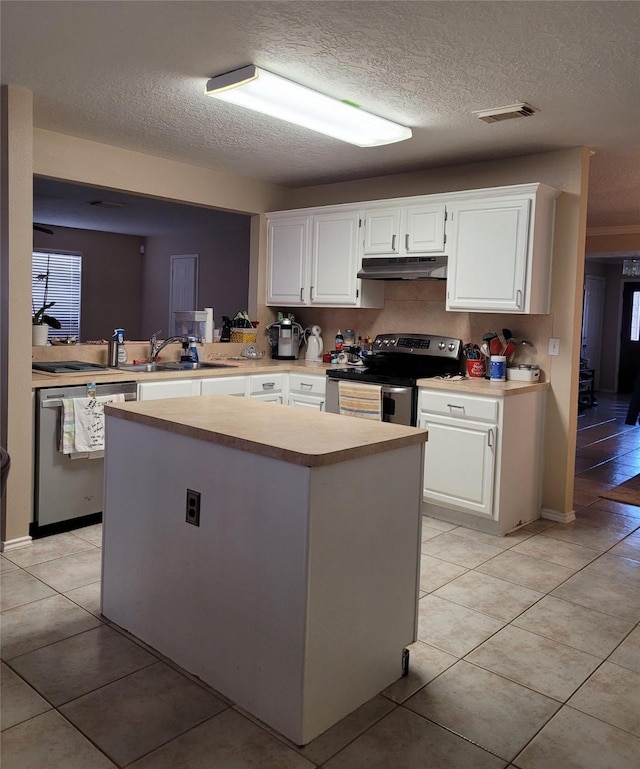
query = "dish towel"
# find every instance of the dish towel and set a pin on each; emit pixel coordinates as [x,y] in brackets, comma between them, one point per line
[360,400]
[82,429]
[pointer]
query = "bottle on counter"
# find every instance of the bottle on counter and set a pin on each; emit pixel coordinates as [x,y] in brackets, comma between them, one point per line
[339,341]
[122,350]
[349,338]
[225,335]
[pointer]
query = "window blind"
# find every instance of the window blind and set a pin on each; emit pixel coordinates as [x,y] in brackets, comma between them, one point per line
[65,272]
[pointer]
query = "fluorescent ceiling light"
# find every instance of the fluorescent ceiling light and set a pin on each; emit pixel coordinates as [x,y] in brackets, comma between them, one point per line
[278,97]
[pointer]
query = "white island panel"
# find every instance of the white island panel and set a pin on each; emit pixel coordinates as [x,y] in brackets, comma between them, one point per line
[298,591]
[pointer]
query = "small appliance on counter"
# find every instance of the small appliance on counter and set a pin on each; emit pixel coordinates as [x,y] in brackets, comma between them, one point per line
[191,323]
[285,338]
[314,344]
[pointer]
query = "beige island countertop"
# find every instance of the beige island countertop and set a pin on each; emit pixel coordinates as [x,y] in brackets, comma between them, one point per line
[298,436]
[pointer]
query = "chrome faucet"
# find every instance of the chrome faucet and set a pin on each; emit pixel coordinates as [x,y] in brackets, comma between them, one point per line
[157,348]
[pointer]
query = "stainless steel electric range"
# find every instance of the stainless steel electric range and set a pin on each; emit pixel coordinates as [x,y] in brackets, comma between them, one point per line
[396,362]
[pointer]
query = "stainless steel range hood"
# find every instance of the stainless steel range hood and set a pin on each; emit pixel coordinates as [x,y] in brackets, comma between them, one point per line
[404,268]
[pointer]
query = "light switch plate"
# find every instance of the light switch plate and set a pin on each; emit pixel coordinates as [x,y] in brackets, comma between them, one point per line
[554,346]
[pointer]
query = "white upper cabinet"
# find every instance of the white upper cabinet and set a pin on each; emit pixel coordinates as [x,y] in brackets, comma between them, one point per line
[313,260]
[288,261]
[500,247]
[404,230]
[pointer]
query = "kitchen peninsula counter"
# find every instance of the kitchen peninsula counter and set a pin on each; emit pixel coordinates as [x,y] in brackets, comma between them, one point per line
[291,583]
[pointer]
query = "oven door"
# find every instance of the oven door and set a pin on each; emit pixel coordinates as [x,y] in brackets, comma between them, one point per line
[398,403]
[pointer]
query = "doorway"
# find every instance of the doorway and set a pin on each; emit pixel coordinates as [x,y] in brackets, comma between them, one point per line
[629,363]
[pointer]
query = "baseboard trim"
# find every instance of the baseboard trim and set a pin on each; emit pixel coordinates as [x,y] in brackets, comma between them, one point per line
[14,544]
[556,515]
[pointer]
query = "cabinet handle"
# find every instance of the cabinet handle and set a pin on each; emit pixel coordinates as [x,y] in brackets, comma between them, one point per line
[406,242]
[302,294]
[455,406]
[519,298]
[393,242]
[490,439]
[306,385]
[268,385]
[311,294]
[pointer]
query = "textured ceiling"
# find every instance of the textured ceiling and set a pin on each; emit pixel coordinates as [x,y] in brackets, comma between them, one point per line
[132,74]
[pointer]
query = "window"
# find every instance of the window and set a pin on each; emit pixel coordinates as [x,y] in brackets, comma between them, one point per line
[63,288]
[635,318]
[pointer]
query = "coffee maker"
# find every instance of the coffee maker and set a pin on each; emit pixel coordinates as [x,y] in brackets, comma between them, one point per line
[285,338]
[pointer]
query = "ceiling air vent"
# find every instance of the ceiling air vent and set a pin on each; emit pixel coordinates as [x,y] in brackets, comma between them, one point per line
[505,113]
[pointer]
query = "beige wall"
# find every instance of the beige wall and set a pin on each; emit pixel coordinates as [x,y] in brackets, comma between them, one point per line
[111,288]
[15,328]
[68,158]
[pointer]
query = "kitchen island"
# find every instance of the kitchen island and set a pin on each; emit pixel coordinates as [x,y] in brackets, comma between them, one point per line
[290,584]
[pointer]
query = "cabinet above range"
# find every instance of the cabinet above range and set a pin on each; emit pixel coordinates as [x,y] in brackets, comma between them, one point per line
[493,245]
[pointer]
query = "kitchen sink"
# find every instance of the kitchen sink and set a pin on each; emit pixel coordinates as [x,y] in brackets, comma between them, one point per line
[173,366]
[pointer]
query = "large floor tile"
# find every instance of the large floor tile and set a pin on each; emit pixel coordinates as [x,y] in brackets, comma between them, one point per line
[594,516]
[37,624]
[524,570]
[490,595]
[87,596]
[628,653]
[502,543]
[47,549]
[227,741]
[577,626]
[598,538]
[138,713]
[68,669]
[70,571]
[18,701]
[18,587]
[436,523]
[462,551]
[453,628]
[611,694]
[50,742]
[341,734]
[491,711]
[434,572]
[573,740]
[558,552]
[543,665]
[6,565]
[628,547]
[613,566]
[602,594]
[404,740]
[633,511]
[92,534]
[425,663]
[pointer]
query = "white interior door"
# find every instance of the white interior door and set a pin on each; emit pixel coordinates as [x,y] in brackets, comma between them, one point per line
[592,318]
[183,292]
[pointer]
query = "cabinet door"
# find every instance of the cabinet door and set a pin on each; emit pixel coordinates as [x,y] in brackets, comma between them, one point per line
[231,385]
[488,253]
[287,261]
[459,463]
[311,402]
[424,229]
[335,259]
[179,388]
[381,231]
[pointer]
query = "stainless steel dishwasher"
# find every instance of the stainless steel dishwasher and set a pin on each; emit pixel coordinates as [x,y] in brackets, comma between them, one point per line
[68,492]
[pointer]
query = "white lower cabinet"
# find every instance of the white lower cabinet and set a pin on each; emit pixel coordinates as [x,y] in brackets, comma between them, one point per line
[268,387]
[307,392]
[483,458]
[175,388]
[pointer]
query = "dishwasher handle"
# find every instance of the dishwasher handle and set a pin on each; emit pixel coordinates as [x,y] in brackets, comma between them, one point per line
[55,403]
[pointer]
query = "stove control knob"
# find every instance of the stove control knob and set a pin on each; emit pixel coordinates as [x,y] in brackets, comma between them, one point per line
[441,345]
[452,346]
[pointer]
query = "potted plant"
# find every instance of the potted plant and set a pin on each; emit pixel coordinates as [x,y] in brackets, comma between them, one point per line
[41,322]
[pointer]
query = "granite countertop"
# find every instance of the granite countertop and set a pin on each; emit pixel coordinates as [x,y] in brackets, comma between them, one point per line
[298,436]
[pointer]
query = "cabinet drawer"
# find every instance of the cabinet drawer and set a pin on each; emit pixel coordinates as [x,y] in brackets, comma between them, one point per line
[233,385]
[457,405]
[304,383]
[263,383]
